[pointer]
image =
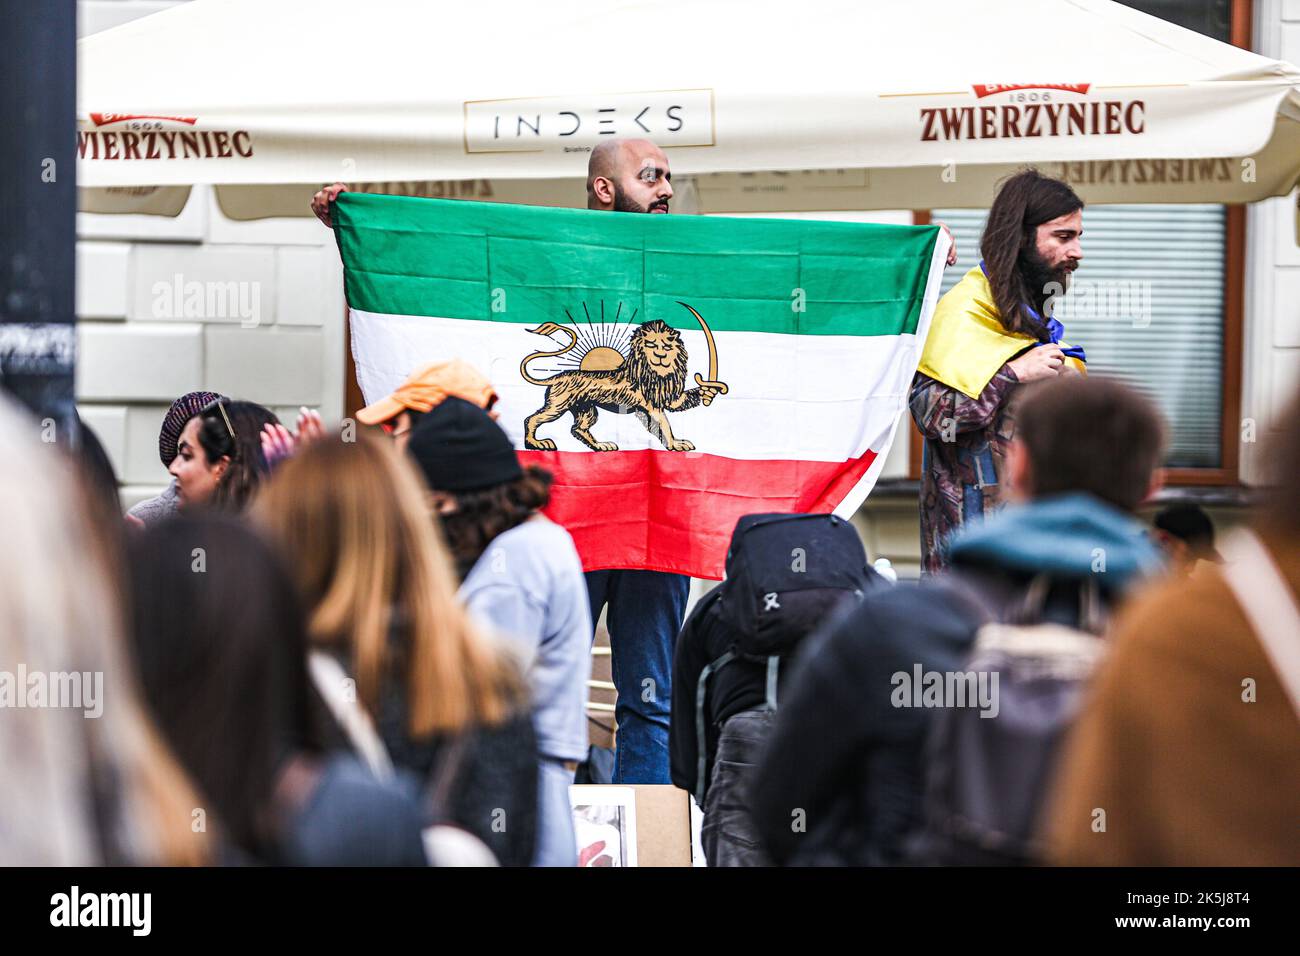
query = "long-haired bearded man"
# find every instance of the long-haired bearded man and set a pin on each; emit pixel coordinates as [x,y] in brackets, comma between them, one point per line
[992,332]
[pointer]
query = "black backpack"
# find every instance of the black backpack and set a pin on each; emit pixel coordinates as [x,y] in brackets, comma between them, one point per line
[986,778]
[785,573]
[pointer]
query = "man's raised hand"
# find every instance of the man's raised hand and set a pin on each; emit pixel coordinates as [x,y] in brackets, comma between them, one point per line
[320,203]
[952,242]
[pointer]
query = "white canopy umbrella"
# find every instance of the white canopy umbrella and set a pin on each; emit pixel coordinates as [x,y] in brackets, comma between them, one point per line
[762,106]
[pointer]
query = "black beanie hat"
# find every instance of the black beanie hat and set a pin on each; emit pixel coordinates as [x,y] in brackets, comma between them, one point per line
[458,447]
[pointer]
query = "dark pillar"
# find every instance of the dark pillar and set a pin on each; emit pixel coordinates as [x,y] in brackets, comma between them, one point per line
[38,197]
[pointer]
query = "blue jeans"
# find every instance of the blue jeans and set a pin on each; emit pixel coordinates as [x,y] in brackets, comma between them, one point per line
[646,609]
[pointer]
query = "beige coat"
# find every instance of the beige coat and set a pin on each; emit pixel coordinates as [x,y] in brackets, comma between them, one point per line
[1187,772]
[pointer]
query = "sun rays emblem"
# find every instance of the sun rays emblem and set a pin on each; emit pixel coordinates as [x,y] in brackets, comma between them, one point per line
[618,367]
[599,348]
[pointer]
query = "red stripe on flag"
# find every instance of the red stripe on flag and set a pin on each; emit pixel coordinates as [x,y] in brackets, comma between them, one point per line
[675,511]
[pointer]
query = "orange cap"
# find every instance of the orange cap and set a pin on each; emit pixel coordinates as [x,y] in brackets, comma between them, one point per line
[427,387]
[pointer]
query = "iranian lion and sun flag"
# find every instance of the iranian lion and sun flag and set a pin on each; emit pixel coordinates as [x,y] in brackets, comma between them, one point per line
[672,372]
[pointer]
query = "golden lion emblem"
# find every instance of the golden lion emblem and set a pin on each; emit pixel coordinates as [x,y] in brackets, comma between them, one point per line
[648,380]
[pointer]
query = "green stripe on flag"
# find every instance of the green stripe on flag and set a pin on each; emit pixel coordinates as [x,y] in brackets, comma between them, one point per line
[529,264]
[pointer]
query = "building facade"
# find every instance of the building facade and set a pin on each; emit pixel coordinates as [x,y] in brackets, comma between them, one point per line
[255,310]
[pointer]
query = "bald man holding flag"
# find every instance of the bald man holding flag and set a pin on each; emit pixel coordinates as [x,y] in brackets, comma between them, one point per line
[645,608]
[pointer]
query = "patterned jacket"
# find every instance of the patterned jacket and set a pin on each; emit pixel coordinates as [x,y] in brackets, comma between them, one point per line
[965,443]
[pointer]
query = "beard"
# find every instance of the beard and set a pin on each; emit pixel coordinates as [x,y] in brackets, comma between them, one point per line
[1042,280]
[625,203]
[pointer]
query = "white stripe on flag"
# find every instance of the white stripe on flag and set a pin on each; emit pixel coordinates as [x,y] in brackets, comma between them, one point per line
[790,397]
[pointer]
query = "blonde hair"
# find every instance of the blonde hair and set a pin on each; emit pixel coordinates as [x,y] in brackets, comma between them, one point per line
[75,790]
[363,548]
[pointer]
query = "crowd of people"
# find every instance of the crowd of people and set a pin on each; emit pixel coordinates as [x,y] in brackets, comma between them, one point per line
[368,645]
[322,661]
[346,652]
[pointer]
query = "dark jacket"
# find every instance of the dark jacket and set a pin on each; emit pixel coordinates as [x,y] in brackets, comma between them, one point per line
[496,770]
[848,765]
[352,819]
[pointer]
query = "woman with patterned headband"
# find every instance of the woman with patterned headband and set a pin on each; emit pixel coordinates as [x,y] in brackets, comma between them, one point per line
[160,506]
[219,460]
